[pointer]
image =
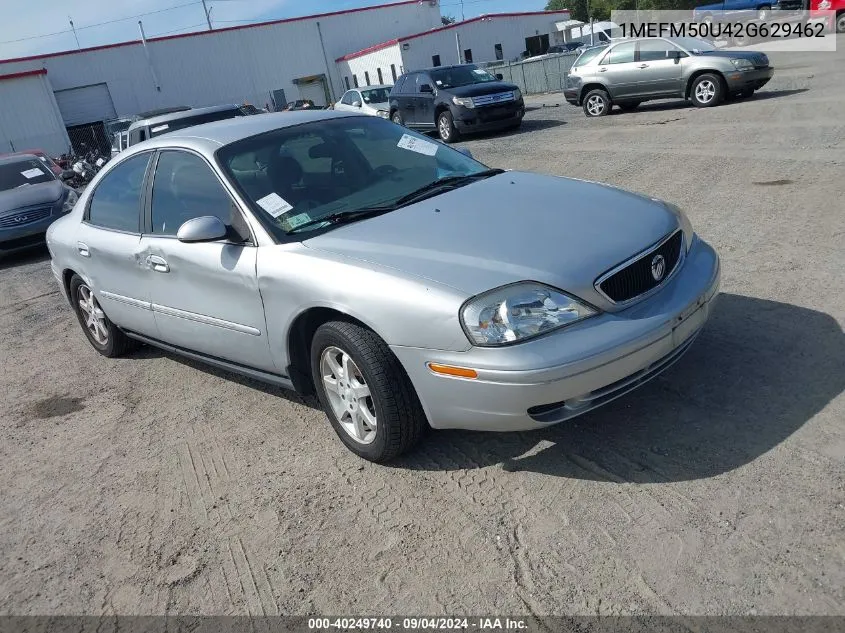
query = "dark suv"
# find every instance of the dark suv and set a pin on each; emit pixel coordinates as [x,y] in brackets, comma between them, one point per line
[455,100]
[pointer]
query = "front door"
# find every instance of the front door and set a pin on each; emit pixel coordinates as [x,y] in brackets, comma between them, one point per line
[109,245]
[659,73]
[204,295]
[619,71]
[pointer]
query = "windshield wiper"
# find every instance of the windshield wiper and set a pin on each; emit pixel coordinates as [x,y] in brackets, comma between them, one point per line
[345,217]
[426,191]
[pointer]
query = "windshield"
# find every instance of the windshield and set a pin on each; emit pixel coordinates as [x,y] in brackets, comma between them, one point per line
[460,76]
[376,95]
[693,45]
[190,121]
[296,175]
[23,174]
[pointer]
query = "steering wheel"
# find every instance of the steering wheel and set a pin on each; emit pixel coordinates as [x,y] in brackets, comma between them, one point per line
[383,171]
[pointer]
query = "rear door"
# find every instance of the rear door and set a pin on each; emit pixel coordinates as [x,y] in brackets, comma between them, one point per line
[408,100]
[659,74]
[109,246]
[205,295]
[425,103]
[619,71]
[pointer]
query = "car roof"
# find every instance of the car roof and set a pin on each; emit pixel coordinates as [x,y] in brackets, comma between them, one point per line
[375,87]
[211,136]
[182,114]
[7,159]
[428,70]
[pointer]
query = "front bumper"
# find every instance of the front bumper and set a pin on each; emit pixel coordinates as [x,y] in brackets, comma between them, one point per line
[26,236]
[749,79]
[488,118]
[564,374]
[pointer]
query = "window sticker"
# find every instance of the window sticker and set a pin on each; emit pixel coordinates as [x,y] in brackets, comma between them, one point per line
[297,220]
[32,173]
[418,145]
[159,128]
[274,204]
[479,71]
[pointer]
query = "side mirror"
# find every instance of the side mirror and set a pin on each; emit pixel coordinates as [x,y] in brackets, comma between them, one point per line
[464,151]
[676,55]
[426,88]
[67,174]
[500,76]
[356,103]
[207,228]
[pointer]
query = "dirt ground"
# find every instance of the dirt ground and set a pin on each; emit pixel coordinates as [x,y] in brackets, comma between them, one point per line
[151,485]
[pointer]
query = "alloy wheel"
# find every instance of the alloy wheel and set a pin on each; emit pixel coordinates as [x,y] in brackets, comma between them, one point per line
[95,318]
[705,91]
[445,128]
[349,395]
[595,105]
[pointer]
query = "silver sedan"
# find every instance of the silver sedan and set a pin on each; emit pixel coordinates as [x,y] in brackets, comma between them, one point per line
[402,281]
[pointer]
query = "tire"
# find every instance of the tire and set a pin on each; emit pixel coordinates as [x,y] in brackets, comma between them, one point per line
[840,22]
[596,103]
[630,106]
[764,12]
[706,91]
[446,127]
[397,118]
[398,420]
[104,336]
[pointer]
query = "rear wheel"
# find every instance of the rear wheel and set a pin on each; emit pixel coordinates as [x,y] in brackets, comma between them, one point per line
[104,336]
[706,91]
[596,103]
[446,127]
[764,12]
[365,392]
[840,22]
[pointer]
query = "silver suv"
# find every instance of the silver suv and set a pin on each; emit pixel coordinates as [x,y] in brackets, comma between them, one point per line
[628,72]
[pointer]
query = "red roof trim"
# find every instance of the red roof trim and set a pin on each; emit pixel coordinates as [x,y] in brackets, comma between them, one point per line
[199,33]
[454,25]
[28,73]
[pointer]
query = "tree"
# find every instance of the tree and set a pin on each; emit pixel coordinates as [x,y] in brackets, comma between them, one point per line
[448,19]
[578,9]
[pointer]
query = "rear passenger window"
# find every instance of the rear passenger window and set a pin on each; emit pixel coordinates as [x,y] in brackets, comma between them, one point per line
[620,54]
[185,188]
[116,203]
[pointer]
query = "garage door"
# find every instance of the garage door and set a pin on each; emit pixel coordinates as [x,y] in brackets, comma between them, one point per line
[88,104]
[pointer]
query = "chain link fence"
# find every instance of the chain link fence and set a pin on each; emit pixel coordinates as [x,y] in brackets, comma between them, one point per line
[536,75]
[93,136]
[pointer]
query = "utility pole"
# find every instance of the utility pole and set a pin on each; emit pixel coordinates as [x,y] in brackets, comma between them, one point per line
[207,15]
[462,11]
[73,28]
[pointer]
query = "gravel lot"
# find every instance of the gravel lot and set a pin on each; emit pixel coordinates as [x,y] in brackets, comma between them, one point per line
[152,485]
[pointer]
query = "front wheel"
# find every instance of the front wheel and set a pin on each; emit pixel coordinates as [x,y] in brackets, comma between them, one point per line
[596,103]
[840,22]
[446,127]
[365,392]
[763,13]
[104,336]
[706,91]
[397,118]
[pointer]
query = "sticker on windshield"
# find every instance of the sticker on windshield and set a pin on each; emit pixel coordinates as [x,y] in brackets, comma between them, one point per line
[32,173]
[297,220]
[417,145]
[159,128]
[274,204]
[479,71]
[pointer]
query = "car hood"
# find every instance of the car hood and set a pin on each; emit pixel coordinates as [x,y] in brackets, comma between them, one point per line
[384,105]
[476,90]
[507,228]
[42,193]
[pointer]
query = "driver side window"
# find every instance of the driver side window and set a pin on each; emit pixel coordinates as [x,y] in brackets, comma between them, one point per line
[184,187]
[348,98]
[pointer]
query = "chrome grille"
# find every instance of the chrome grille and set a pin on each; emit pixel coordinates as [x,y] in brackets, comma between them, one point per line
[24,217]
[638,276]
[499,97]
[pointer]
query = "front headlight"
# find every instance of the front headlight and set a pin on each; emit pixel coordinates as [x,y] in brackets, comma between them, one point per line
[384,114]
[467,102]
[517,94]
[518,312]
[742,64]
[71,199]
[683,220]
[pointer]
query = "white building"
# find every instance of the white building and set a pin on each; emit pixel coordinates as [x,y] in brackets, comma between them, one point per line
[501,36]
[283,59]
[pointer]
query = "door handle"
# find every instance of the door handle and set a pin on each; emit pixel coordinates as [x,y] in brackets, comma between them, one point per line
[83,249]
[603,70]
[643,66]
[158,264]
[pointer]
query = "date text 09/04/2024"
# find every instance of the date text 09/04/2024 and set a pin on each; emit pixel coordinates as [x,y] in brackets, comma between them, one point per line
[417,623]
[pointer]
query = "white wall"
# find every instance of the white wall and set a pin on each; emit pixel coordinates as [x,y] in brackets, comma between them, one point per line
[371,62]
[229,65]
[29,116]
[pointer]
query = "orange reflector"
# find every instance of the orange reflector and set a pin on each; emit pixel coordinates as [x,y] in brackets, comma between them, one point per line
[448,370]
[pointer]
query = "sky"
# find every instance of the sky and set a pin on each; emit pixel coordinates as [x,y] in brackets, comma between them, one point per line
[32,28]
